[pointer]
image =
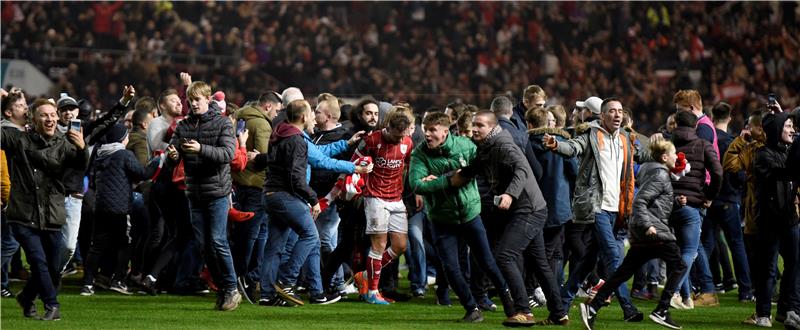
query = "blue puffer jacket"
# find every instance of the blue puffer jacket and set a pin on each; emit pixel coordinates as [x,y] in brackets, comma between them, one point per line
[559,171]
[114,170]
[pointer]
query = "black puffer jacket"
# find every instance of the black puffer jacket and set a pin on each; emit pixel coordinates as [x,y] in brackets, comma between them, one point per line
[36,166]
[208,173]
[775,191]
[507,172]
[652,204]
[114,170]
[702,157]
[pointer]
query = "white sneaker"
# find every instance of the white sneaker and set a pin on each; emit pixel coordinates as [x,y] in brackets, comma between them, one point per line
[676,302]
[763,322]
[688,303]
[431,280]
[582,293]
[350,289]
[792,320]
[538,294]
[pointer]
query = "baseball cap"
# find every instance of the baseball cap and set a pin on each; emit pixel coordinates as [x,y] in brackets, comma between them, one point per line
[592,103]
[66,102]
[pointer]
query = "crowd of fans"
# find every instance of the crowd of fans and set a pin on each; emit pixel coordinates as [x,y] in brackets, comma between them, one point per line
[423,53]
[187,187]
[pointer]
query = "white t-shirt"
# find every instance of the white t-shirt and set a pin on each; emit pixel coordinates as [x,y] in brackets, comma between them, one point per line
[610,161]
[155,134]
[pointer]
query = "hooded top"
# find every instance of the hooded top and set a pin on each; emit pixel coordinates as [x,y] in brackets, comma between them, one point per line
[558,177]
[701,156]
[287,162]
[775,192]
[259,126]
[773,128]
[323,180]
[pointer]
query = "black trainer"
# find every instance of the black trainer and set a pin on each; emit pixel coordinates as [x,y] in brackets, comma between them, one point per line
[286,292]
[508,302]
[472,316]
[247,289]
[325,299]
[28,307]
[51,313]
[396,296]
[632,315]
[588,315]
[662,317]
[486,305]
[149,285]
[120,286]
[6,293]
[272,300]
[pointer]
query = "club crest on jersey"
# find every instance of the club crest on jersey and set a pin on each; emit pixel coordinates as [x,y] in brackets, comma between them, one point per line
[403,148]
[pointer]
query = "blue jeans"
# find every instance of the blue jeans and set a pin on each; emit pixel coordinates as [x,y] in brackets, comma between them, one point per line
[415,254]
[726,215]
[688,222]
[770,243]
[257,258]
[328,228]
[210,223]
[447,244]
[43,251]
[289,213]
[246,248]
[70,229]
[612,251]
[9,247]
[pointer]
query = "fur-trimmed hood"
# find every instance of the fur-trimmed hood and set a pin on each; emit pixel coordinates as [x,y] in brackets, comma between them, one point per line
[582,128]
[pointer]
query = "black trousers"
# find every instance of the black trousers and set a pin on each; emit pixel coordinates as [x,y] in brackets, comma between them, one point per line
[110,234]
[351,241]
[170,230]
[522,238]
[637,256]
[577,237]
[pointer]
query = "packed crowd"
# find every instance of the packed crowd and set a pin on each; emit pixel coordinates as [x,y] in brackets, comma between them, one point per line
[424,54]
[523,203]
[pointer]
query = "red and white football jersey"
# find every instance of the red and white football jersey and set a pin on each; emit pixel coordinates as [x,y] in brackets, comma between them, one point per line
[386,180]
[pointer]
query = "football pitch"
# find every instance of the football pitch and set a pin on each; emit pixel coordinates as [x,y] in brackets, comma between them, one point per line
[111,310]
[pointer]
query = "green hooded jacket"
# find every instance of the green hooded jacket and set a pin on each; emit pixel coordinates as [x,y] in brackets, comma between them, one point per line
[259,128]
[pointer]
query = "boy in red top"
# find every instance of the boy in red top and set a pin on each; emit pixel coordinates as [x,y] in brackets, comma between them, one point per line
[390,149]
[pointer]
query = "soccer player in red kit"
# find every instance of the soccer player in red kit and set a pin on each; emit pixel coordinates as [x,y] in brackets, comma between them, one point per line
[390,149]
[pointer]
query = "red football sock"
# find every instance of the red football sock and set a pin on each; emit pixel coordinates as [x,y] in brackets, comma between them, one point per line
[374,270]
[387,257]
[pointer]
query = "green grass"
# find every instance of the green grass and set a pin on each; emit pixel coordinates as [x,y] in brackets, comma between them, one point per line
[109,310]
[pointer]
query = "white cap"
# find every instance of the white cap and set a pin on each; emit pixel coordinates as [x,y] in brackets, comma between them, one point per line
[593,103]
[291,94]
